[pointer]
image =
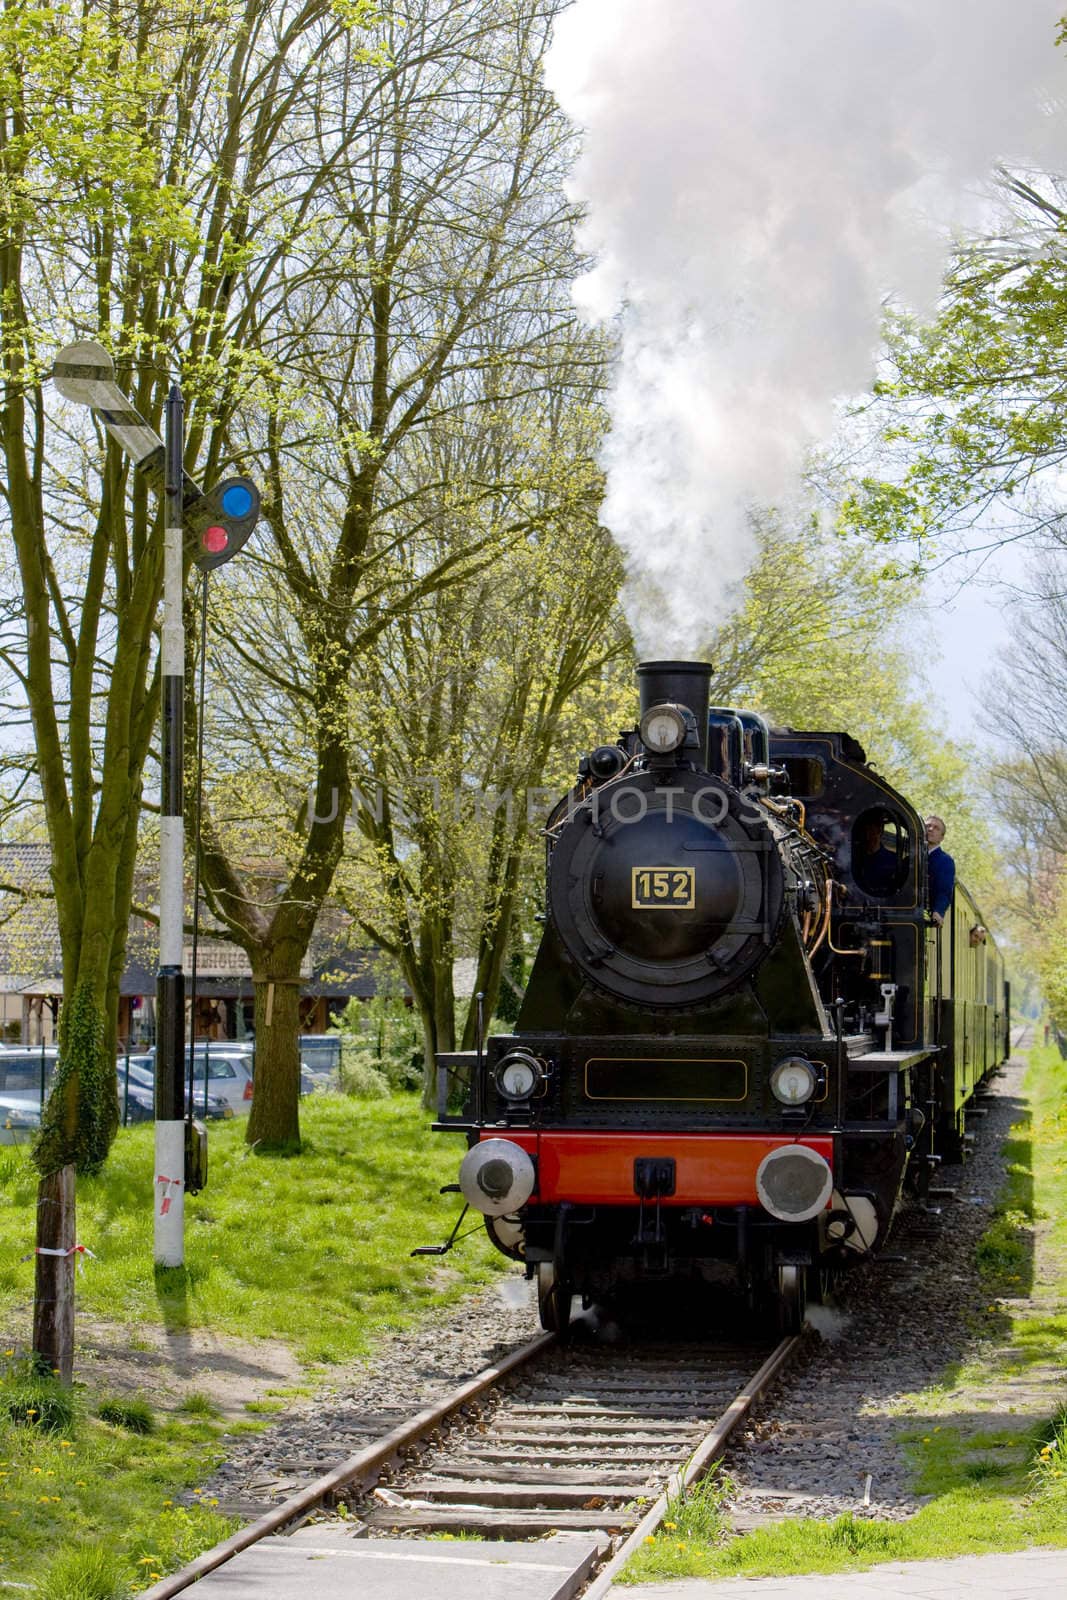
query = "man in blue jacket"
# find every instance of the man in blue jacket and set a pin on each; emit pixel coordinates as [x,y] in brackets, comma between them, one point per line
[942,870]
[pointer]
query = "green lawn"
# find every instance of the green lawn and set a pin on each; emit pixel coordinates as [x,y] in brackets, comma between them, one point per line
[312,1250]
[1002,1489]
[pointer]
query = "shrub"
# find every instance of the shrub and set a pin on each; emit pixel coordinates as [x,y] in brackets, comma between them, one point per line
[361,1079]
[136,1416]
[381,1034]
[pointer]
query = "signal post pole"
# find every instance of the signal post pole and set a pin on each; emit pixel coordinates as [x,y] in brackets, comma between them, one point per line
[210,528]
[169,1186]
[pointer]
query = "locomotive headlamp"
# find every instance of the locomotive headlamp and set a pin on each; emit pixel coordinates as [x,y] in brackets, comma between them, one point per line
[518,1075]
[793,1081]
[662,729]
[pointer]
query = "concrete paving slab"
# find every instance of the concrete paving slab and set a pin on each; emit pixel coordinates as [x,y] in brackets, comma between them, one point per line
[1020,1575]
[320,1563]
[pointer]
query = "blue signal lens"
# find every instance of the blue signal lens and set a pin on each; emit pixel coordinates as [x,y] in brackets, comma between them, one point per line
[236,500]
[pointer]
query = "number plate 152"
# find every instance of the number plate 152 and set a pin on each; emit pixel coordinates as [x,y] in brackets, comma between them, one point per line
[664,888]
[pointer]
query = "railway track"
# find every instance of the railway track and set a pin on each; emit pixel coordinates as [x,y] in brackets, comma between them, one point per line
[578,1439]
[564,1441]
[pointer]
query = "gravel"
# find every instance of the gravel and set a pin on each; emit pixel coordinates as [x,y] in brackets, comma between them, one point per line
[410,1371]
[835,1420]
[897,1324]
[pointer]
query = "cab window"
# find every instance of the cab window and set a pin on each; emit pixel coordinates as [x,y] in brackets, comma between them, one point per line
[881,852]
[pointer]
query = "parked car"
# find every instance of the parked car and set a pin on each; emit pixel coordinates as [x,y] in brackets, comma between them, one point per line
[230,1068]
[19,1119]
[141,1096]
[21,1071]
[229,1072]
[320,1053]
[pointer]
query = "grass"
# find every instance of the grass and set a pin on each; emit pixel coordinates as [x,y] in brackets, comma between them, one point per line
[311,1250]
[79,1507]
[136,1416]
[199,1405]
[996,1487]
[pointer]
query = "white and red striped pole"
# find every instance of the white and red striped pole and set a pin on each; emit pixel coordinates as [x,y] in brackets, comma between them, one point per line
[169,1186]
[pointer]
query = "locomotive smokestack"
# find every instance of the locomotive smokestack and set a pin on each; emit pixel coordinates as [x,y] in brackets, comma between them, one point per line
[683,683]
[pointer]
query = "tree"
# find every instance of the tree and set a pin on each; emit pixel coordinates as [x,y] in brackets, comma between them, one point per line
[968,426]
[1027,701]
[827,638]
[452,253]
[131,143]
[475,713]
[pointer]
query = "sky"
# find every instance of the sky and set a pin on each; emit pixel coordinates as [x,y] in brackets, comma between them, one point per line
[970,623]
[757,179]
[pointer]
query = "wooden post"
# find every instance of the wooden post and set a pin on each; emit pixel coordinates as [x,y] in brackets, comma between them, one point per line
[53,1306]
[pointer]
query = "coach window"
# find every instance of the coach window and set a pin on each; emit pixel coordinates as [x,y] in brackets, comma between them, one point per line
[881,852]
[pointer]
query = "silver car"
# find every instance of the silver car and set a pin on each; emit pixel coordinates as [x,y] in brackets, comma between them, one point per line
[19,1119]
[229,1072]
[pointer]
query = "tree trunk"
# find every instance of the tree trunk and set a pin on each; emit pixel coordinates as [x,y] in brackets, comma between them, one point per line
[274,1123]
[53,1303]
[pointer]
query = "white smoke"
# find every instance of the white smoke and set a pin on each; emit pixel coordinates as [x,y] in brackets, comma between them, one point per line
[759,176]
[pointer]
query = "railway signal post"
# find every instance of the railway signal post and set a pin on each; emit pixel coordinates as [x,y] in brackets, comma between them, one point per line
[210,528]
[169,1185]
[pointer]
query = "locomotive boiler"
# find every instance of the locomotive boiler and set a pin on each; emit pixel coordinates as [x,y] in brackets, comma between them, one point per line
[741,1034]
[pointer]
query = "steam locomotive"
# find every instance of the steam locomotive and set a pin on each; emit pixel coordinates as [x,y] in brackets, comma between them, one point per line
[742,1033]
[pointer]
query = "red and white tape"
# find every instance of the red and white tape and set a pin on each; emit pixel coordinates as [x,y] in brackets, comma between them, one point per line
[171,1187]
[78,1250]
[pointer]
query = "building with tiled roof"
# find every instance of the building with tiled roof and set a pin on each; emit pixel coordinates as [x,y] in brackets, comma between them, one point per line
[31,968]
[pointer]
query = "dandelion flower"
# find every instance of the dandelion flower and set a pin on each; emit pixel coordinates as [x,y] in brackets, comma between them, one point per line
[650,1538]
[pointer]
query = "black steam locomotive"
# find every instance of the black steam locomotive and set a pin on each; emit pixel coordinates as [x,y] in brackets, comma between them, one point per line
[742,1033]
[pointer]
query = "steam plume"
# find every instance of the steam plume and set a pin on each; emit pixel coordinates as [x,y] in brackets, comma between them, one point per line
[759,175]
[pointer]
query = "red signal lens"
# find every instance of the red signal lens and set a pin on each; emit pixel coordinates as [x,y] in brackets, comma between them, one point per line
[214,539]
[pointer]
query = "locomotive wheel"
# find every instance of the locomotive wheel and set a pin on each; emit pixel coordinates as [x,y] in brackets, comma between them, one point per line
[554,1297]
[792,1299]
